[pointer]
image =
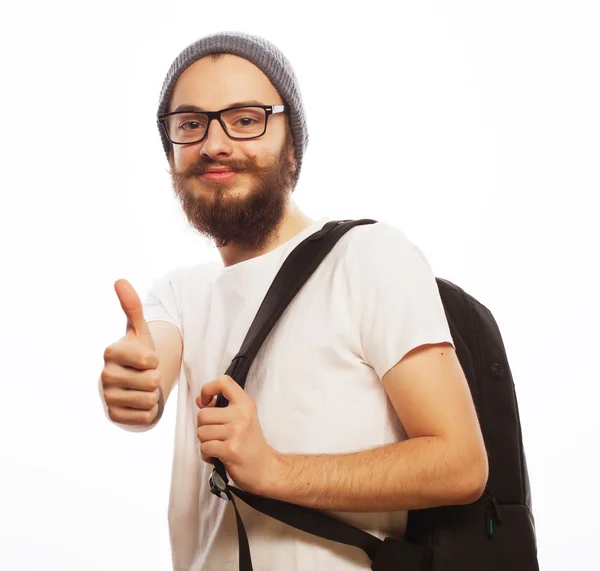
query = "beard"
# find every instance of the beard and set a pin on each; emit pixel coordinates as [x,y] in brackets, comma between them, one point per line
[218,212]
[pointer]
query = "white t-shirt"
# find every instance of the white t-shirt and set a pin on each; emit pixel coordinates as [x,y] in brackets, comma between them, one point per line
[316,382]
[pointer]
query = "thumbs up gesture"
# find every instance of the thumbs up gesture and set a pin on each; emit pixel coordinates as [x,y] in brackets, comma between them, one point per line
[130,377]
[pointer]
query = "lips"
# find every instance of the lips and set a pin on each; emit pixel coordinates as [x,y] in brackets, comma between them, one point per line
[220,175]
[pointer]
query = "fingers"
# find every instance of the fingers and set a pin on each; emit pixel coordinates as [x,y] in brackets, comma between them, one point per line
[213,449]
[114,375]
[131,354]
[211,404]
[212,428]
[214,415]
[131,407]
[128,398]
[226,385]
[209,432]
[132,416]
[132,307]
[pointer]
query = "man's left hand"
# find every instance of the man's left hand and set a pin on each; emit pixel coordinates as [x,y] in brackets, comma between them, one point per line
[234,435]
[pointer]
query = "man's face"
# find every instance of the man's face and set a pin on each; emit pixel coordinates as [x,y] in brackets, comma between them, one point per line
[245,210]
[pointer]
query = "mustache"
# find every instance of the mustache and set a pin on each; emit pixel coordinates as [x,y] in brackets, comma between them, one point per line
[203,166]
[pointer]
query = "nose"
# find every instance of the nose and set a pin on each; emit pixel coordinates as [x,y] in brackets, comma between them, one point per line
[216,142]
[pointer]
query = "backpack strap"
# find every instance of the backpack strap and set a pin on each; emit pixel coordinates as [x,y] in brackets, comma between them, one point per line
[386,555]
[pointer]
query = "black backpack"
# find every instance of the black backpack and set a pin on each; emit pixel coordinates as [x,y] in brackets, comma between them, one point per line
[495,533]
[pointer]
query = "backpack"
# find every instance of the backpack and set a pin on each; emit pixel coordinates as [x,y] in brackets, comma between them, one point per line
[495,533]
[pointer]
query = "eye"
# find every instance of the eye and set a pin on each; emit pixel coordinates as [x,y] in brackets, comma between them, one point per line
[246,121]
[189,125]
[189,122]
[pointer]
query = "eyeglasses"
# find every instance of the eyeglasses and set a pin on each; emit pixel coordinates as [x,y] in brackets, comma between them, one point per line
[248,122]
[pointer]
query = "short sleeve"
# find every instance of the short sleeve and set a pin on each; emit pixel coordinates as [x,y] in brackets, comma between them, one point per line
[160,302]
[395,296]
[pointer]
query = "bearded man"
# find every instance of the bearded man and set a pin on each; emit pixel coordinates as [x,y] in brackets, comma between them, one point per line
[356,403]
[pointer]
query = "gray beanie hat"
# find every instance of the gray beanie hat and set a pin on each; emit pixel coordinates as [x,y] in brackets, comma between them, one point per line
[267,57]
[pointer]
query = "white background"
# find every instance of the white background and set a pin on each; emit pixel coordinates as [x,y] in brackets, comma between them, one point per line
[473,126]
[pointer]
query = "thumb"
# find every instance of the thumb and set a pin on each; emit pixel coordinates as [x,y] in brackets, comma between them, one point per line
[132,307]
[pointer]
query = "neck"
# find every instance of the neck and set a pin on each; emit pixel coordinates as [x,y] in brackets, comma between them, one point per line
[292,223]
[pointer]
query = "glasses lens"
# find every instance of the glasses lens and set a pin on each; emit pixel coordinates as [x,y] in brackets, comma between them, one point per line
[245,122]
[186,127]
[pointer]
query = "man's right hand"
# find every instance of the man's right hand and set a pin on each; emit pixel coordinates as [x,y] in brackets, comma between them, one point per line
[130,377]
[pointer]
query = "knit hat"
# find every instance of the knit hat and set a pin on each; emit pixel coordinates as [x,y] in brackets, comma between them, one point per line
[267,57]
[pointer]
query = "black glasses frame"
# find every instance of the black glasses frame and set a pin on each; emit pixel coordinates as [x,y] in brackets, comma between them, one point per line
[269,110]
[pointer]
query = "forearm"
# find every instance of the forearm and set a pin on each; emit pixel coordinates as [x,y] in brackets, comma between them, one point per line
[417,473]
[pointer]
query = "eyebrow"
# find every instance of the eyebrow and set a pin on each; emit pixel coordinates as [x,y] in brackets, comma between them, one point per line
[188,107]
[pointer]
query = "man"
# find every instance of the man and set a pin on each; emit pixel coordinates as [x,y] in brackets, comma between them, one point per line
[356,403]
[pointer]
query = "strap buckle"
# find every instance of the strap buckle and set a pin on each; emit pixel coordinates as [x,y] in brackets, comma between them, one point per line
[218,486]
